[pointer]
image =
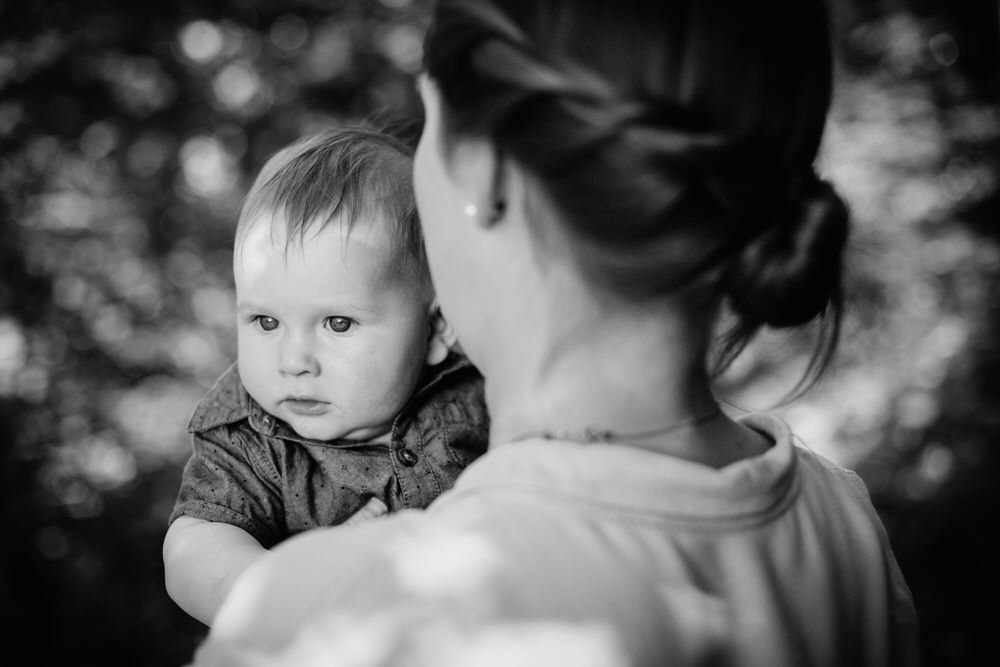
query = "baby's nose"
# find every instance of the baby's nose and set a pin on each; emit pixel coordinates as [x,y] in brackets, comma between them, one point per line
[297,358]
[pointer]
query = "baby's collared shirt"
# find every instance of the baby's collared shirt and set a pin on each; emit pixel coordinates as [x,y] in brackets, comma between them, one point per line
[253,471]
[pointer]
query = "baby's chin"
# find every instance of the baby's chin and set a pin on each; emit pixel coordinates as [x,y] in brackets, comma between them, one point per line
[315,430]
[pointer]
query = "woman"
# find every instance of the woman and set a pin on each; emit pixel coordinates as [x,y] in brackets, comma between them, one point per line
[596,182]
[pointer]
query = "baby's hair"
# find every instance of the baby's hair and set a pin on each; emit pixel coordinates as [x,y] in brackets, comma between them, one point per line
[676,139]
[340,174]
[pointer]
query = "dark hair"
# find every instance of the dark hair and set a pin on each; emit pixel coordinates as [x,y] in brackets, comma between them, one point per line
[342,173]
[676,139]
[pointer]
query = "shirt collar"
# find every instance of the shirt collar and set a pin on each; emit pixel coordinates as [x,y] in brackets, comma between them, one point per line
[639,481]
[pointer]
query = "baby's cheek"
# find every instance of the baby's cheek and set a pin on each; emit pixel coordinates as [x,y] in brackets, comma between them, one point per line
[386,394]
[256,379]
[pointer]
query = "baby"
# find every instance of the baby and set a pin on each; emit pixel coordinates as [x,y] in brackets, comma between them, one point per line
[347,399]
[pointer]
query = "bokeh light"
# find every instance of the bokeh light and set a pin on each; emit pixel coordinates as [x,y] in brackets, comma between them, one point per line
[201,41]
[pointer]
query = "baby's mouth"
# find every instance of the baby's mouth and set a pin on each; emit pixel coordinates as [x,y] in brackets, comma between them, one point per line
[303,405]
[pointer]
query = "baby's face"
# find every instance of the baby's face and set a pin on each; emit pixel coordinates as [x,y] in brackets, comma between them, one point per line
[331,337]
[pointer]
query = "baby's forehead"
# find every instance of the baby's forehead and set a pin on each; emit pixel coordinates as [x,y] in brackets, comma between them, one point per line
[276,228]
[270,235]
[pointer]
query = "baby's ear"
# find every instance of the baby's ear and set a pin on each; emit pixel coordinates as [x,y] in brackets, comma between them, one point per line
[442,337]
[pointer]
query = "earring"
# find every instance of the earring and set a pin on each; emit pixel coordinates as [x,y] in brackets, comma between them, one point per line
[471,210]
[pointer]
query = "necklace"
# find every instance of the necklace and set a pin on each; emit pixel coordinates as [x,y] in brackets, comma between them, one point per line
[592,434]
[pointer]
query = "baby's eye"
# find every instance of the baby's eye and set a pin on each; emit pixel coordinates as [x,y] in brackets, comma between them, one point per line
[265,322]
[339,324]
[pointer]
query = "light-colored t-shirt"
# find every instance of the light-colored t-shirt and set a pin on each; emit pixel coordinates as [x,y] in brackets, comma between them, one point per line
[591,555]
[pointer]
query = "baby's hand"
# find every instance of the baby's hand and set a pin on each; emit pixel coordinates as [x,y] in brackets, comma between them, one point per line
[374,508]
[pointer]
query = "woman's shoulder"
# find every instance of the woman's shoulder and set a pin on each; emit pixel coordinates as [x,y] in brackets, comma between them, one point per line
[819,474]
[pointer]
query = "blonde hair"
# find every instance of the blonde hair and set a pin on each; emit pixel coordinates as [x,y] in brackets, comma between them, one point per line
[344,173]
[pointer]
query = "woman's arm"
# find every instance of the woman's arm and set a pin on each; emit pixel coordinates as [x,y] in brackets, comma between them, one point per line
[201,560]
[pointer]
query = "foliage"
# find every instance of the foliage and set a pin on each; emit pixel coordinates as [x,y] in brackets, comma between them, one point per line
[129,132]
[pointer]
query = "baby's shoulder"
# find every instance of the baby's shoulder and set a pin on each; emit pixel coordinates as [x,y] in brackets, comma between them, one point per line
[226,402]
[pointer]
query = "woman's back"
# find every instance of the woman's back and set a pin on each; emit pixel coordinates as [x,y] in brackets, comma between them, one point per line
[775,560]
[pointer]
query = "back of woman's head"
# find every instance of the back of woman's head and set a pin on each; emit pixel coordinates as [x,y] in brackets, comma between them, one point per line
[676,139]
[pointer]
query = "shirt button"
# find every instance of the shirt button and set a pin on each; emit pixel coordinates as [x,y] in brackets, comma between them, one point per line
[407,457]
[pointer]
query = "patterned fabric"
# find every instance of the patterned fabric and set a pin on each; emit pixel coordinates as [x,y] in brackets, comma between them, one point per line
[251,470]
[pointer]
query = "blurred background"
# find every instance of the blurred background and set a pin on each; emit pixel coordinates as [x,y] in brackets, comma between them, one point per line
[129,132]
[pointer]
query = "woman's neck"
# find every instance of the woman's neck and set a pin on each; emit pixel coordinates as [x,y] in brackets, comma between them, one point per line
[626,373]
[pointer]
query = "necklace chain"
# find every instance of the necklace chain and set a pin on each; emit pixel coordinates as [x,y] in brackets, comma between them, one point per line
[592,433]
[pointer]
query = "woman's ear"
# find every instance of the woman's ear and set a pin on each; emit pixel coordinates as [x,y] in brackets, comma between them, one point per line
[474,164]
[481,172]
[441,338]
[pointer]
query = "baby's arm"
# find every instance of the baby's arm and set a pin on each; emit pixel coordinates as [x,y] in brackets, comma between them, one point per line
[202,559]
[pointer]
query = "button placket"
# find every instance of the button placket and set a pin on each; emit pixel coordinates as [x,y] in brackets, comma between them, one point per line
[407,457]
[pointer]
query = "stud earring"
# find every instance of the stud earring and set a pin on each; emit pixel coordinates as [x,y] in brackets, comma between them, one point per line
[471,210]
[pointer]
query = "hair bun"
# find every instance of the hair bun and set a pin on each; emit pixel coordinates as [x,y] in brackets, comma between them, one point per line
[790,273]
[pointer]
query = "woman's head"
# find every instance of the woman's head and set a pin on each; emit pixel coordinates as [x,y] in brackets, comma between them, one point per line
[674,140]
